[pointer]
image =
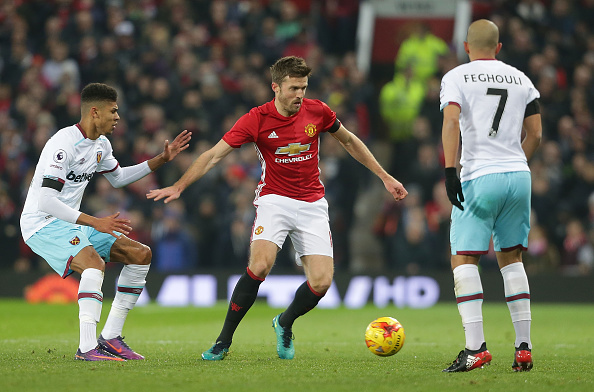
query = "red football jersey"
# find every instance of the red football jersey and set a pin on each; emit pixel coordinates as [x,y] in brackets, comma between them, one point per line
[287,147]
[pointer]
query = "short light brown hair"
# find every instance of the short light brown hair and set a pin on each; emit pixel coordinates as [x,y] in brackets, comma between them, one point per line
[292,66]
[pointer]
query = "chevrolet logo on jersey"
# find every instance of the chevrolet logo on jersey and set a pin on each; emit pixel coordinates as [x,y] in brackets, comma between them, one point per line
[293,149]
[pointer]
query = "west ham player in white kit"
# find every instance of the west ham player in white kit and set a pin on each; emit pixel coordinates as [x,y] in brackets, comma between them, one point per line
[289,198]
[72,241]
[489,103]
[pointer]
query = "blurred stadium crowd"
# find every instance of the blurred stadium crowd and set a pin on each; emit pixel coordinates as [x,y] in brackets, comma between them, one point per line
[201,64]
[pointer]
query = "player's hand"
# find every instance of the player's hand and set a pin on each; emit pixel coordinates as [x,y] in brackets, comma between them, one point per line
[454,187]
[395,188]
[179,144]
[112,223]
[170,193]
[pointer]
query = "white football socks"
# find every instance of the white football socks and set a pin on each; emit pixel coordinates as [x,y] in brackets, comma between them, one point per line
[469,296]
[130,284]
[517,295]
[90,300]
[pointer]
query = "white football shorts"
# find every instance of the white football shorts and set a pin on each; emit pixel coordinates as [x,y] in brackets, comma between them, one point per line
[307,224]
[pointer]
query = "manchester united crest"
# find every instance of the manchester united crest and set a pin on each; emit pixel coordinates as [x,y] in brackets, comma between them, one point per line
[310,130]
[258,230]
[75,241]
[99,155]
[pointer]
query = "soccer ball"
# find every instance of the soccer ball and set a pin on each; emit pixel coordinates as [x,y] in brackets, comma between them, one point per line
[384,336]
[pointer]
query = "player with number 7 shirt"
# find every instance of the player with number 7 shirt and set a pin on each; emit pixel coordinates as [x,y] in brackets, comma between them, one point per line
[488,104]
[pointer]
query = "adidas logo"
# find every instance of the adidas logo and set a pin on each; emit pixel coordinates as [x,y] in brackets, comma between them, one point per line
[470,361]
[273,135]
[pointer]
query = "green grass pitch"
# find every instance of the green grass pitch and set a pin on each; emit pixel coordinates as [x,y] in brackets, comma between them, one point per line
[38,342]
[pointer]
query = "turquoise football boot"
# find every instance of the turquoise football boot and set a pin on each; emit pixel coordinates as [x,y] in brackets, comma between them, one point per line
[217,352]
[284,340]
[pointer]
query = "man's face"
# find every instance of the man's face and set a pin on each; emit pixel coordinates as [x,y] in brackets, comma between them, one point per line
[289,94]
[106,118]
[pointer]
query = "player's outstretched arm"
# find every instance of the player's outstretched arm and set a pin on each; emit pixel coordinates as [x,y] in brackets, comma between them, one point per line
[199,168]
[108,224]
[52,205]
[122,176]
[170,151]
[361,153]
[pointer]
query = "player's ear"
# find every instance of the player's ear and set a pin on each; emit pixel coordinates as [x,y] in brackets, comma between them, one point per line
[275,87]
[498,48]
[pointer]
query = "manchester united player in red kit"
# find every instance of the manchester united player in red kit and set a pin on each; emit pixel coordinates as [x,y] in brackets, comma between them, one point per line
[289,198]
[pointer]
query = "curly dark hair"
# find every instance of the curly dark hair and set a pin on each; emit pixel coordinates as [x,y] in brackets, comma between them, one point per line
[96,92]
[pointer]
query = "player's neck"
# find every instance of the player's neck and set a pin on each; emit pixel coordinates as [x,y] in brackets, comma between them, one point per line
[481,56]
[89,129]
[282,111]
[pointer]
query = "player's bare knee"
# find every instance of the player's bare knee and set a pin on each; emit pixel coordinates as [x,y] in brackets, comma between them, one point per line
[140,254]
[261,269]
[144,255]
[321,286]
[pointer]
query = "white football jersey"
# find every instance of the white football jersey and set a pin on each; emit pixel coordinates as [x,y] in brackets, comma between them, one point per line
[71,159]
[492,97]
